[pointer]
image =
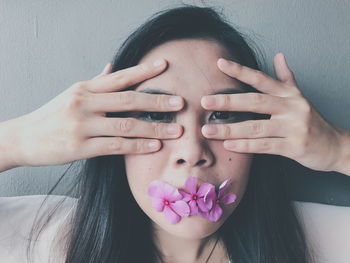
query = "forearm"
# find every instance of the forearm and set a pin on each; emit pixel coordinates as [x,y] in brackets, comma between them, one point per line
[343,165]
[7,146]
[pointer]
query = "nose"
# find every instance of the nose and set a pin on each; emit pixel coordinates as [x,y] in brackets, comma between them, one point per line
[192,148]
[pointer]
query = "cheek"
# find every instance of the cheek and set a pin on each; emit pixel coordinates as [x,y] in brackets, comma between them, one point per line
[235,166]
[141,170]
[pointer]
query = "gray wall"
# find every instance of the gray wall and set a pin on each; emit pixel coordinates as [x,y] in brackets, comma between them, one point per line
[45,46]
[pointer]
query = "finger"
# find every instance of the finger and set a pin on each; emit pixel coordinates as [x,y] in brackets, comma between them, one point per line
[125,78]
[107,69]
[116,145]
[262,145]
[132,100]
[283,71]
[248,102]
[245,130]
[252,77]
[131,127]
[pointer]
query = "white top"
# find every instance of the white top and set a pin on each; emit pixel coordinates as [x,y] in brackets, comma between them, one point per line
[327,229]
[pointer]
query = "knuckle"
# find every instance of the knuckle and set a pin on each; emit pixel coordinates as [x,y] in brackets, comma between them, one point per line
[157,130]
[227,131]
[116,145]
[226,100]
[79,85]
[125,97]
[160,101]
[256,128]
[124,126]
[77,98]
[266,146]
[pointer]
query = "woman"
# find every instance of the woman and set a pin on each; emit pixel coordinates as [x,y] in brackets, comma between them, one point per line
[119,215]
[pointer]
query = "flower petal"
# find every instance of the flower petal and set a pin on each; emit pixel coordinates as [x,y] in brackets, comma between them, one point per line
[158,204]
[203,189]
[171,216]
[204,207]
[215,213]
[181,208]
[155,189]
[193,207]
[186,196]
[223,187]
[170,192]
[228,199]
[191,184]
[210,195]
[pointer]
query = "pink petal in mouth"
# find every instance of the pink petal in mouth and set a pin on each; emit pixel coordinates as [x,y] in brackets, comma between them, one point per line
[228,199]
[177,203]
[191,184]
[171,216]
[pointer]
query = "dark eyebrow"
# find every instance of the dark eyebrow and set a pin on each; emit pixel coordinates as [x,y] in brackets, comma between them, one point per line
[225,91]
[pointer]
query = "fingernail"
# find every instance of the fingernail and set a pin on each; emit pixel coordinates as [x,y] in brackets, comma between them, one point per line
[209,101]
[172,129]
[210,130]
[158,63]
[223,62]
[153,144]
[174,101]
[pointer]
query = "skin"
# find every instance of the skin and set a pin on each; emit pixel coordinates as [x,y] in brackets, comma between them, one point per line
[191,74]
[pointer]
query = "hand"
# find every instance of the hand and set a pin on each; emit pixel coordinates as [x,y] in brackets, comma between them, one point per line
[74,125]
[295,129]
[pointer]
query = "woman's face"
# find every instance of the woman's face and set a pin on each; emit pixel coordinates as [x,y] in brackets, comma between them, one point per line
[192,73]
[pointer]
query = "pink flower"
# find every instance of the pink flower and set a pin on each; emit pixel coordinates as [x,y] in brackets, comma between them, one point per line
[167,199]
[216,211]
[195,197]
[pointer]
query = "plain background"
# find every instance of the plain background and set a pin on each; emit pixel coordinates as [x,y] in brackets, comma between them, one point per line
[46,46]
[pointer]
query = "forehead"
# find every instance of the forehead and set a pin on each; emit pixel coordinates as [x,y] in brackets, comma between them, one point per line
[192,70]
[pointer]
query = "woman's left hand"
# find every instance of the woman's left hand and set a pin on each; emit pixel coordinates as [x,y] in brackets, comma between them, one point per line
[295,130]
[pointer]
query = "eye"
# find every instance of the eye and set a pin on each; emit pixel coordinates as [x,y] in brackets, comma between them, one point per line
[156,116]
[226,116]
[230,116]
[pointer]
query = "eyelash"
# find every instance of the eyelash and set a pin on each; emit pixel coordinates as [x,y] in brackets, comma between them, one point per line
[145,115]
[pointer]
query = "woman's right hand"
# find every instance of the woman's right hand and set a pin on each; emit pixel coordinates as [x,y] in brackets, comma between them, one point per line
[74,126]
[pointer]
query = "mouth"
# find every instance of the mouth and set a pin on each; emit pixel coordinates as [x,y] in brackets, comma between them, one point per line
[199,182]
[199,199]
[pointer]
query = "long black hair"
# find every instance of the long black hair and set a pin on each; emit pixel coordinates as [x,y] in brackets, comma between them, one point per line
[108,225]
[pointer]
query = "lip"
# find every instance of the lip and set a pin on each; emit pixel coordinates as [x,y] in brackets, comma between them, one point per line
[199,182]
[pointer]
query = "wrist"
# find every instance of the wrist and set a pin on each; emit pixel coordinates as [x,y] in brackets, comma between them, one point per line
[343,164]
[8,134]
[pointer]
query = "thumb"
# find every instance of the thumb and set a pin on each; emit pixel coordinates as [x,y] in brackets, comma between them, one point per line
[282,69]
[107,69]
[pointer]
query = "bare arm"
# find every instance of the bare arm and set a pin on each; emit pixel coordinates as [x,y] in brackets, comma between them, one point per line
[8,145]
[343,165]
